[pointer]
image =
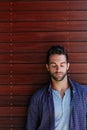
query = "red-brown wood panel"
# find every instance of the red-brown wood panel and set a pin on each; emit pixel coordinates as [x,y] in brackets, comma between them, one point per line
[38,46]
[5,37]
[43,46]
[40,36]
[13,100]
[5,48]
[35,16]
[12,90]
[81,78]
[5,58]
[16,121]
[78,57]
[5,79]
[44,36]
[5,16]
[49,36]
[34,79]
[77,26]
[40,26]
[45,26]
[78,15]
[29,79]
[4,27]
[78,5]
[43,16]
[5,5]
[11,111]
[39,5]
[27,30]
[38,58]
[12,127]
[4,69]
[38,68]
[46,5]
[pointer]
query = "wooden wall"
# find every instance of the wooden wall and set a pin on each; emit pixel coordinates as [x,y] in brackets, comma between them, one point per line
[27,29]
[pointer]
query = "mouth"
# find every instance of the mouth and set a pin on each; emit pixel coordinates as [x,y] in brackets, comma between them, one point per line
[58,74]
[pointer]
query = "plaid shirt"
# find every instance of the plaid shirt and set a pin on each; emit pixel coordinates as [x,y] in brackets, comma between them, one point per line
[41,109]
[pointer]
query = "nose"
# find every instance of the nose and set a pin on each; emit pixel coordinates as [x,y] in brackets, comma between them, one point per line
[57,68]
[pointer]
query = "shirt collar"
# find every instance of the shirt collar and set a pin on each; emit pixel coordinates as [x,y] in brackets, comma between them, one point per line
[72,87]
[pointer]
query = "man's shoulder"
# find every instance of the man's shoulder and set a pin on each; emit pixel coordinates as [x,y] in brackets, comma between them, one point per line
[41,91]
[78,85]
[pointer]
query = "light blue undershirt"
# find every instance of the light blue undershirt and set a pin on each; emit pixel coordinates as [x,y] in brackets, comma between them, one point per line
[61,109]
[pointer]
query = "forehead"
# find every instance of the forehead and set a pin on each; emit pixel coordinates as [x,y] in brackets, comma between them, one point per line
[57,58]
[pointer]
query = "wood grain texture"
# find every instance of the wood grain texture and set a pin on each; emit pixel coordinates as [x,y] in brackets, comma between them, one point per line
[27,30]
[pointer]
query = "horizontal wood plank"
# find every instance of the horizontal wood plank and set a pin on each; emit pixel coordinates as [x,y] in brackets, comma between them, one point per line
[19,90]
[12,122]
[13,111]
[41,79]
[5,79]
[45,37]
[44,46]
[9,90]
[14,100]
[5,5]
[78,15]
[26,47]
[5,37]
[5,69]
[43,16]
[35,36]
[5,16]
[39,16]
[78,5]
[36,58]
[5,58]
[11,128]
[27,30]
[49,5]
[5,27]
[34,79]
[45,26]
[6,46]
[42,36]
[39,5]
[41,69]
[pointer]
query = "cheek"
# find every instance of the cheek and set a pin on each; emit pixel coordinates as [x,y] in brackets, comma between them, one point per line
[51,70]
[65,69]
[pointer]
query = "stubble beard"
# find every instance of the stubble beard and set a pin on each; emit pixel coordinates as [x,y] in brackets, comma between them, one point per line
[56,78]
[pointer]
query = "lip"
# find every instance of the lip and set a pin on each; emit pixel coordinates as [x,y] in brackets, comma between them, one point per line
[58,74]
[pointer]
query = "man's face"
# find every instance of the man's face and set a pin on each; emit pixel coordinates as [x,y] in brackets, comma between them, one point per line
[57,67]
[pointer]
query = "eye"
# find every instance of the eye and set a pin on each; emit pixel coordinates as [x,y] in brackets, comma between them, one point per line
[53,65]
[62,65]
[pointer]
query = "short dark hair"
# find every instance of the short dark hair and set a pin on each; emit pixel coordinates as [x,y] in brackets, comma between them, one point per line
[57,50]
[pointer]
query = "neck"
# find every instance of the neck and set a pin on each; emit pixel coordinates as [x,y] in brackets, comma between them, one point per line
[60,86]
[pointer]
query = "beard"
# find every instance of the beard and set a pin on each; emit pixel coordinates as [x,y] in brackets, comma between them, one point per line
[58,76]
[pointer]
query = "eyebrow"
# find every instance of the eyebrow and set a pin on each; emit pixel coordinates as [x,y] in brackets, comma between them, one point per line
[60,63]
[63,62]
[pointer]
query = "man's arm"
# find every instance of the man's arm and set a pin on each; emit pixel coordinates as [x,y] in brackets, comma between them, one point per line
[86,110]
[33,115]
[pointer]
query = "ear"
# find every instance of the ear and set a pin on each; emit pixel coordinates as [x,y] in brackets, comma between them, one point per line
[68,65]
[47,66]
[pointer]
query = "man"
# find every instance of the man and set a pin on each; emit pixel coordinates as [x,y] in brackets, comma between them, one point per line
[61,104]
